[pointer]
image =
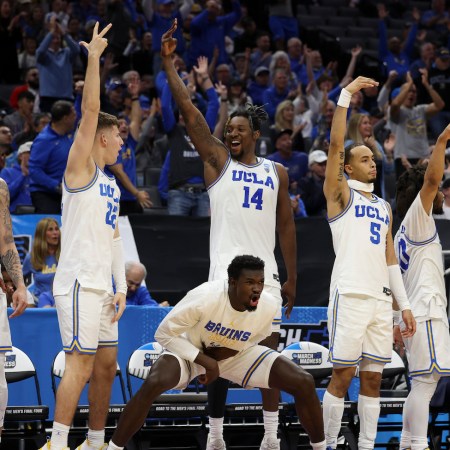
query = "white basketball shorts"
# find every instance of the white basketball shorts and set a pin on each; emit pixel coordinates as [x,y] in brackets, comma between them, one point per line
[359,328]
[5,335]
[85,319]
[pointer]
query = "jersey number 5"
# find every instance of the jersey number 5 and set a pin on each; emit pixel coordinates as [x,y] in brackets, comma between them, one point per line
[256,198]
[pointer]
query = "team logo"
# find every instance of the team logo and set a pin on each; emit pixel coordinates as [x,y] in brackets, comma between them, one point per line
[150,358]
[10,361]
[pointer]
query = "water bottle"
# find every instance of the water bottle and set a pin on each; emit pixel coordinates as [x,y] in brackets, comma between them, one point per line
[263,148]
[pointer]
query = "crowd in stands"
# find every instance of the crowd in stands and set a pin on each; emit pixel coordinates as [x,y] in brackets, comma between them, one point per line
[231,52]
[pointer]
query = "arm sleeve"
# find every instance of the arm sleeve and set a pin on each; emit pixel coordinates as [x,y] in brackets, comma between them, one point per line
[72,46]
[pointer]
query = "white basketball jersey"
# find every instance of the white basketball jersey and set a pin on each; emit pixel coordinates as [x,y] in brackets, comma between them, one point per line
[89,217]
[419,254]
[243,217]
[359,240]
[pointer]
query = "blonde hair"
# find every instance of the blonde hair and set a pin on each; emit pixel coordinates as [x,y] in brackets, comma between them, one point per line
[280,122]
[354,134]
[40,247]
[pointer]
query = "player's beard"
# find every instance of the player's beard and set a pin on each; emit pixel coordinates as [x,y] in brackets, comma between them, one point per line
[251,308]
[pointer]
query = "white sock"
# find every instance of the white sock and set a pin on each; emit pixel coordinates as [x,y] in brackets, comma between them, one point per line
[368,411]
[405,440]
[216,428]
[319,445]
[60,434]
[96,438]
[112,446]
[419,443]
[333,408]
[270,424]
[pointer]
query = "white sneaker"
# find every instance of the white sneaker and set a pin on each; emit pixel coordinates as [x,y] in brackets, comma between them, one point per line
[270,444]
[48,446]
[216,444]
[86,446]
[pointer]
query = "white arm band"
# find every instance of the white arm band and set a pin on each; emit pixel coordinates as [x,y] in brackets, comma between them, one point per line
[397,287]
[344,98]
[118,266]
[396,315]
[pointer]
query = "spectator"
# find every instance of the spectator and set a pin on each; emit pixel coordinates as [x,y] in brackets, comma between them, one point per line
[247,39]
[411,143]
[48,158]
[280,60]
[31,84]
[256,87]
[445,189]
[439,75]
[310,187]
[262,54]
[27,57]
[55,65]
[22,119]
[142,56]
[237,95]
[223,74]
[303,117]
[10,289]
[321,131]
[40,121]
[209,29]
[10,37]
[138,294]
[6,139]
[276,92]
[425,61]
[181,181]
[359,130]
[296,163]
[18,180]
[282,22]
[436,18]
[284,120]
[132,200]
[394,54]
[42,260]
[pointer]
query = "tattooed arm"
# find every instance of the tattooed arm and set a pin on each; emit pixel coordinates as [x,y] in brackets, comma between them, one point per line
[335,188]
[213,153]
[8,253]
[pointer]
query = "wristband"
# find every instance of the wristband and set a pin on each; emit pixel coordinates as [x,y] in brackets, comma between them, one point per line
[396,316]
[397,287]
[344,98]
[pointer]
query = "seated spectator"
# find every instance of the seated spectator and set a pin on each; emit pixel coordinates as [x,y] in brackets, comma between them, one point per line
[280,60]
[295,162]
[276,92]
[48,158]
[284,120]
[18,180]
[310,187]
[23,117]
[42,260]
[137,294]
[40,121]
[9,289]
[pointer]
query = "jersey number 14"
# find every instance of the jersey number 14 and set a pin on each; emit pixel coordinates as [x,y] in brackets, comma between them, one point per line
[256,198]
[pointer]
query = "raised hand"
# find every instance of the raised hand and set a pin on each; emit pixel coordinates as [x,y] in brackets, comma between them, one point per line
[98,42]
[360,83]
[424,76]
[168,42]
[202,69]
[356,51]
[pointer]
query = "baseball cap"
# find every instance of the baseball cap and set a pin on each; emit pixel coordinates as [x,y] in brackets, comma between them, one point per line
[164,2]
[443,53]
[317,156]
[115,84]
[24,148]
[282,133]
[261,69]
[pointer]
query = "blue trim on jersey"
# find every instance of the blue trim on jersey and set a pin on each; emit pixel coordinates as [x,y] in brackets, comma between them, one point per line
[259,161]
[420,243]
[434,366]
[225,167]
[274,169]
[255,365]
[84,188]
[376,358]
[349,204]
[111,178]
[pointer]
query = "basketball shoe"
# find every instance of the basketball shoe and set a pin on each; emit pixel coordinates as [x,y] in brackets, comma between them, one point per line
[86,446]
[270,444]
[216,444]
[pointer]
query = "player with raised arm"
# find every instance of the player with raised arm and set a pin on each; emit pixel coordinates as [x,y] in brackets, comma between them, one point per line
[249,202]
[91,253]
[216,330]
[365,274]
[11,262]
[419,253]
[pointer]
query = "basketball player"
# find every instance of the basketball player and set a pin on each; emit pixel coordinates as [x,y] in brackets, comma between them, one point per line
[249,202]
[91,252]
[11,262]
[216,329]
[419,253]
[365,273]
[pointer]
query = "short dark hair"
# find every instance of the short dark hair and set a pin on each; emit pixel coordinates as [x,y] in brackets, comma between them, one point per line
[254,114]
[26,94]
[348,151]
[106,120]
[409,185]
[60,109]
[244,262]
